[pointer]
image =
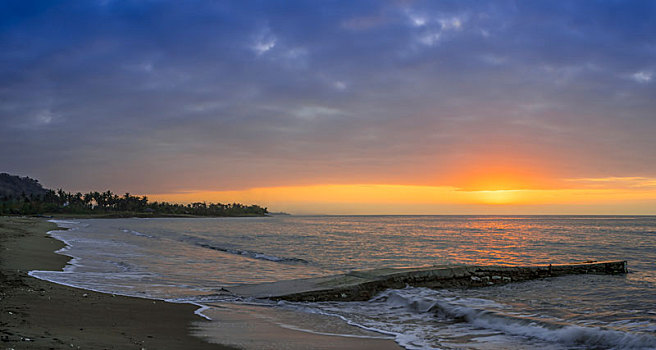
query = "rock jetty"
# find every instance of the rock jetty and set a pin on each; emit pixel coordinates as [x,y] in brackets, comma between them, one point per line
[362,285]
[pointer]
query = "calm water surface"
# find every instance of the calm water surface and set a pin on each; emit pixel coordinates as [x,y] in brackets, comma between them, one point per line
[192,259]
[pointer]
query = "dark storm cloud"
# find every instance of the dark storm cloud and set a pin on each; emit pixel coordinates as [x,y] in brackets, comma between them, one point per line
[218,94]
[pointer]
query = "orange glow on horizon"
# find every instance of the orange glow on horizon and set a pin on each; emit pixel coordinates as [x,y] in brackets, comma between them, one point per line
[411,199]
[491,186]
[497,174]
[497,196]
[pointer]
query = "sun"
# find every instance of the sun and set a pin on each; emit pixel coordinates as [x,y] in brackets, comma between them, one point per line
[497,196]
[499,183]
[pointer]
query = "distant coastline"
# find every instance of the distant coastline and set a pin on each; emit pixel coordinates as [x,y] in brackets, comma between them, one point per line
[26,196]
[127,215]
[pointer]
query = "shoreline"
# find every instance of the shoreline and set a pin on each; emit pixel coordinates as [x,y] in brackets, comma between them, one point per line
[129,215]
[38,314]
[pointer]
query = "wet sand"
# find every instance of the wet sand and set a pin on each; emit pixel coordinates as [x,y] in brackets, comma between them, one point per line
[36,314]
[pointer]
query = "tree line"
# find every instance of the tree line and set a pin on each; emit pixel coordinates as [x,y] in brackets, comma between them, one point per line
[61,202]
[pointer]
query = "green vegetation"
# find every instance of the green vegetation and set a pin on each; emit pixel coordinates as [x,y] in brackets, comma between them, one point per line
[16,185]
[40,201]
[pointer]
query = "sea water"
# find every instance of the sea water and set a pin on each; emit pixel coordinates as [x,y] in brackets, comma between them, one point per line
[197,260]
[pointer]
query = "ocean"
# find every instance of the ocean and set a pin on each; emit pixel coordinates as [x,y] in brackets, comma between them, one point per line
[194,260]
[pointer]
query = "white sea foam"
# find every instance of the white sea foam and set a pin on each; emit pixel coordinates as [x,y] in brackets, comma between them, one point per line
[595,312]
[59,235]
[200,310]
[308,330]
[64,223]
[244,252]
[568,335]
[137,233]
[420,318]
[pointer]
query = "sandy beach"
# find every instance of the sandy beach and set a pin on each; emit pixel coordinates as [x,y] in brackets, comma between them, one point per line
[36,314]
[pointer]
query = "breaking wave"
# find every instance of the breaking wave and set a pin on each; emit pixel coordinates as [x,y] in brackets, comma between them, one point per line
[253,255]
[137,233]
[565,334]
[243,252]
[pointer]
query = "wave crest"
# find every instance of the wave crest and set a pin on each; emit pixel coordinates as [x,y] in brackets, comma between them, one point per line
[566,334]
[243,252]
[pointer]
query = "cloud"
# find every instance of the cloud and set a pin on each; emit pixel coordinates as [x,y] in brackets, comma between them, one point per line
[453,23]
[416,19]
[618,182]
[363,22]
[340,85]
[312,112]
[44,117]
[440,27]
[264,42]
[642,77]
[166,95]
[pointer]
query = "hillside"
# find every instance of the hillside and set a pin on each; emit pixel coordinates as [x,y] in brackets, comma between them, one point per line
[14,186]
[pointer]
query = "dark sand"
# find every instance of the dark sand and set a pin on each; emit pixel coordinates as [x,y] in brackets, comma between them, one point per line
[36,314]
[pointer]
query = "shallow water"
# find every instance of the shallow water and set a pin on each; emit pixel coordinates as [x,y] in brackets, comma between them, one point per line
[192,259]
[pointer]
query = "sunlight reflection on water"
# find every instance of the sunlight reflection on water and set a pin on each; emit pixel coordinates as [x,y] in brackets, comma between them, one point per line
[189,258]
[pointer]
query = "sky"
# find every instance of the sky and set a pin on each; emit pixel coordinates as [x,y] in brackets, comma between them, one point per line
[337,107]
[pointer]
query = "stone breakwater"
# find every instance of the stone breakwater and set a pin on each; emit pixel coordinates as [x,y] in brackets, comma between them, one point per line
[362,285]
